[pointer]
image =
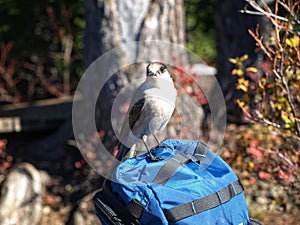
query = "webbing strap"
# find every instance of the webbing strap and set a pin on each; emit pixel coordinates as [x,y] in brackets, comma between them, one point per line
[169,168]
[135,208]
[200,152]
[199,205]
[118,207]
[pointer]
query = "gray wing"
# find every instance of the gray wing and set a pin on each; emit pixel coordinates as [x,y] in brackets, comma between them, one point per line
[133,117]
[135,112]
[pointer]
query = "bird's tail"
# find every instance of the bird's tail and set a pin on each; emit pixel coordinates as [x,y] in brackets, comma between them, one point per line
[122,151]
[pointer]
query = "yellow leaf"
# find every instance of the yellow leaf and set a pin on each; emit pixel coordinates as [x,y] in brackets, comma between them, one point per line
[244,57]
[251,165]
[240,72]
[293,42]
[241,103]
[242,87]
[242,84]
[234,72]
[233,60]
[278,106]
[284,116]
[251,69]
[272,38]
[288,42]
[243,81]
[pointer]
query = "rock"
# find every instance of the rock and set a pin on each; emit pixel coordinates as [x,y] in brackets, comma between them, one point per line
[21,196]
[85,214]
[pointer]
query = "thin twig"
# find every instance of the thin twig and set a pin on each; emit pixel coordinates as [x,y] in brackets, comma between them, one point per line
[258,41]
[259,118]
[261,11]
[289,98]
[285,83]
[284,158]
[292,13]
[265,120]
[273,17]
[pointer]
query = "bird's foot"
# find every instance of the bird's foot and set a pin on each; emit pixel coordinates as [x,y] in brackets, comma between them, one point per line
[152,157]
[160,145]
[155,158]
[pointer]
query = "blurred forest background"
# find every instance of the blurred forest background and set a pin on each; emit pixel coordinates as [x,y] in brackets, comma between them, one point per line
[45,47]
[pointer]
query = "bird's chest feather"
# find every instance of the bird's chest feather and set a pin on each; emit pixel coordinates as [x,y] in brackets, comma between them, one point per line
[156,114]
[159,107]
[163,90]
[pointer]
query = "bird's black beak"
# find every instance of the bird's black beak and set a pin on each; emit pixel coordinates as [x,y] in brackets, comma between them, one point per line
[151,74]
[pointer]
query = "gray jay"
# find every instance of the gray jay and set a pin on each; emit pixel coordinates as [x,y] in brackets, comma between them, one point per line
[151,107]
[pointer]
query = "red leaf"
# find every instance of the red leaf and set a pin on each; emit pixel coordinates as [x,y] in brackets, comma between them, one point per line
[264,175]
[256,153]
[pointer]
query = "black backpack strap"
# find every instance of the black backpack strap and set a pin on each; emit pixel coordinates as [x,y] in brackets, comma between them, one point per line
[169,168]
[114,211]
[199,205]
[105,211]
[135,208]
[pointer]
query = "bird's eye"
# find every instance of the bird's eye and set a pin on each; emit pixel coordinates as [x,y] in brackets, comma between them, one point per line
[162,69]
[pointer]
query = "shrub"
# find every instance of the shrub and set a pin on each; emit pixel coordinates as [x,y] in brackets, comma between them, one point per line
[271,100]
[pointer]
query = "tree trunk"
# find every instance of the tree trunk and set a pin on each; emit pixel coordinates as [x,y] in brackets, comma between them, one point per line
[111,24]
[233,40]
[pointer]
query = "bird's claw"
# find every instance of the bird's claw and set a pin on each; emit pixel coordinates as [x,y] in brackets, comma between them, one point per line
[155,158]
[162,146]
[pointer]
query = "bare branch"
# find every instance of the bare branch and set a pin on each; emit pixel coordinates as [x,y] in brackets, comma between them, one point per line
[291,12]
[258,41]
[265,120]
[272,16]
[261,11]
[285,159]
[289,98]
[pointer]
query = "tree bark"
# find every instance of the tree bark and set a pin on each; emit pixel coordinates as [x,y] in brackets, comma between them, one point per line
[110,24]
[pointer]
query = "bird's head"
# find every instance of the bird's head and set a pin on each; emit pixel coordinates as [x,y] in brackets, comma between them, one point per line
[158,70]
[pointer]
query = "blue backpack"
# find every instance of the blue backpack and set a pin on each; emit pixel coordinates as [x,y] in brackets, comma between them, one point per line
[190,185]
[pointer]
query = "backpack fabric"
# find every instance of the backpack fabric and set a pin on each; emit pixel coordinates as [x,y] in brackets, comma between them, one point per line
[189,185]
